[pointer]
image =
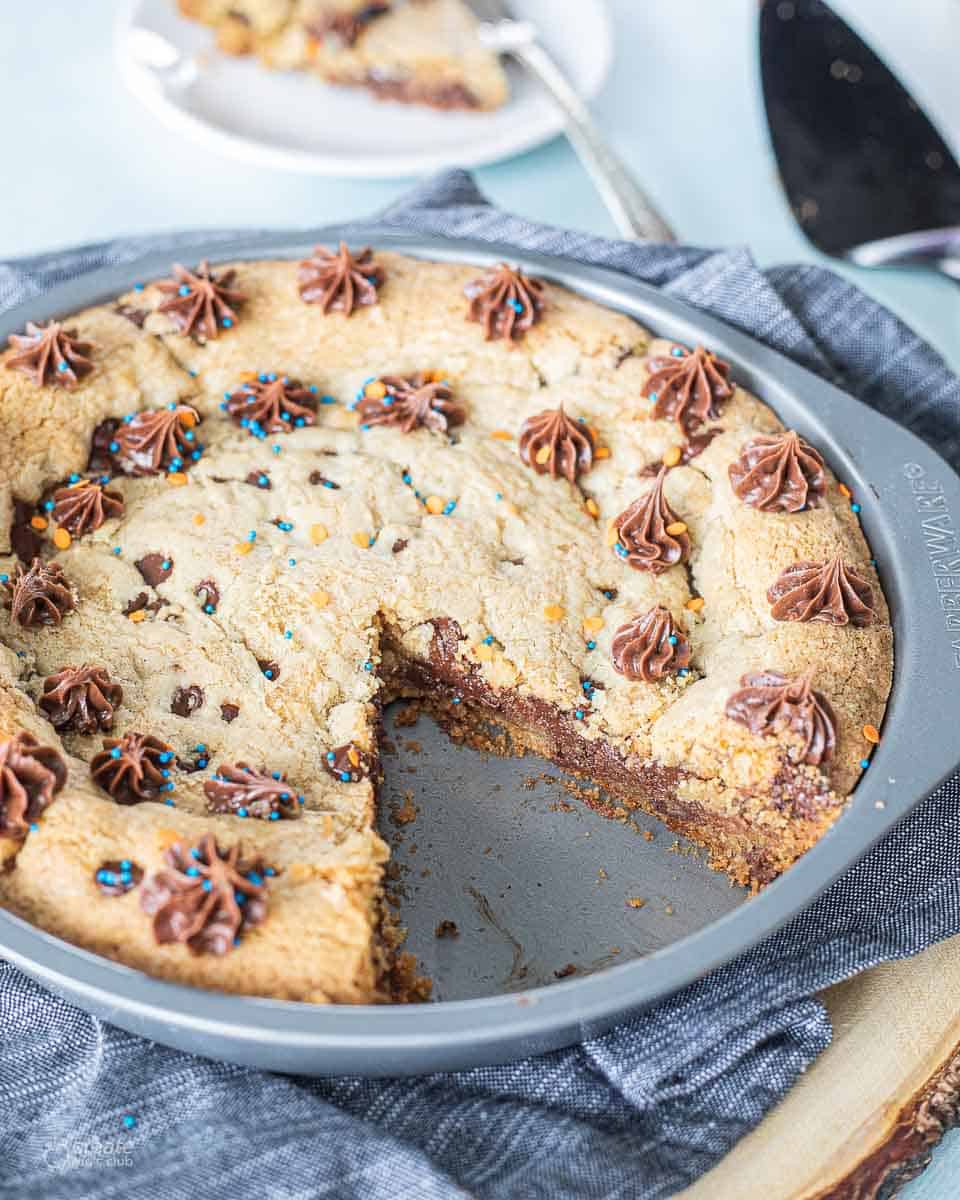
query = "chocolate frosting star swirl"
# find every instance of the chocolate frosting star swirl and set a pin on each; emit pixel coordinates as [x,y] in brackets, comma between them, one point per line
[687,386]
[768,701]
[644,537]
[241,790]
[131,769]
[40,595]
[340,282]
[50,354]
[205,896]
[156,439]
[31,775]
[506,302]
[553,443]
[80,699]
[272,404]
[83,507]
[200,303]
[410,403]
[650,646]
[831,592]
[779,472]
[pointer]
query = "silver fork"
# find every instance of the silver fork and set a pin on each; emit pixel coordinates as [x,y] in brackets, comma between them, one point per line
[633,213]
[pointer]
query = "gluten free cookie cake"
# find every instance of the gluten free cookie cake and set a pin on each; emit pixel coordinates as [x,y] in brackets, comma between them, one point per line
[246,506]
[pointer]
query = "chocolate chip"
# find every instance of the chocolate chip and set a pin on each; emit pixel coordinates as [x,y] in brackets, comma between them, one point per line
[318,479]
[447,929]
[116,877]
[400,544]
[135,316]
[187,700]
[565,972]
[260,479]
[25,540]
[229,712]
[155,568]
[608,593]
[142,603]
[269,667]
[209,593]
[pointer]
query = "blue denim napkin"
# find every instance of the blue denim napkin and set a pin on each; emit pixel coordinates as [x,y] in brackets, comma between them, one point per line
[638,1113]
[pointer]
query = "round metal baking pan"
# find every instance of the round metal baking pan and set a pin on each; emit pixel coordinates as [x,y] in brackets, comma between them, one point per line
[910,515]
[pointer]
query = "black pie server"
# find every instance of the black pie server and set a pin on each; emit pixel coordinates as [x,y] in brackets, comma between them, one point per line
[867,175]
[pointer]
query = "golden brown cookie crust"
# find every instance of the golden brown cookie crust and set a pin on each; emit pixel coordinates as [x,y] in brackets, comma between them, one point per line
[347,589]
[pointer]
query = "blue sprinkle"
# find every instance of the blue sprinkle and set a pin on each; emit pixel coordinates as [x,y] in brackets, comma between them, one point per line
[192,872]
[166,756]
[269,674]
[673,639]
[188,435]
[226,322]
[272,377]
[263,480]
[255,879]
[74,477]
[201,763]
[864,763]
[456,699]
[276,449]
[240,897]
[579,714]
[194,852]
[4,578]
[48,505]
[291,562]
[129,1120]
[855,508]
[678,352]
[683,672]
[344,776]
[621,550]
[117,550]
[183,289]
[266,871]
[241,812]
[327,400]
[167,787]
[165,565]
[652,397]
[499,495]
[591,645]
[515,305]
[252,535]
[138,287]
[169,803]
[368,666]
[330,756]
[115,752]
[288,634]
[208,608]
[274,816]
[63,365]
[488,640]
[125,865]
[34,827]
[207,885]
[449,507]
[113,447]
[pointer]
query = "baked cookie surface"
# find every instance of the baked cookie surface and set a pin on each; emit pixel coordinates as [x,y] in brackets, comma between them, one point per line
[281,495]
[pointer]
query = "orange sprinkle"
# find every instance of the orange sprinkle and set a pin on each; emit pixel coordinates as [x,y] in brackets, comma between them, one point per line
[483,653]
[39,522]
[353,756]
[376,390]
[613,534]
[243,547]
[592,624]
[554,612]
[318,534]
[435,505]
[601,452]
[176,479]
[62,538]
[592,507]
[844,490]
[675,528]
[543,454]
[319,598]
[187,419]
[199,519]
[361,539]
[872,734]
[672,456]
[502,434]
[138,616]
[695,603]
[435,376]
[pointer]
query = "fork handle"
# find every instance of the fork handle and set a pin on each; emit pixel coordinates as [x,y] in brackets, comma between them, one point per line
[633,214]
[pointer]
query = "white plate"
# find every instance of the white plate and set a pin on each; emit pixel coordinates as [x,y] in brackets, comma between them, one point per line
[294,122]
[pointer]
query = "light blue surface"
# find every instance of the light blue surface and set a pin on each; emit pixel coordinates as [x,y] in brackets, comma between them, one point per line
[82,161]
